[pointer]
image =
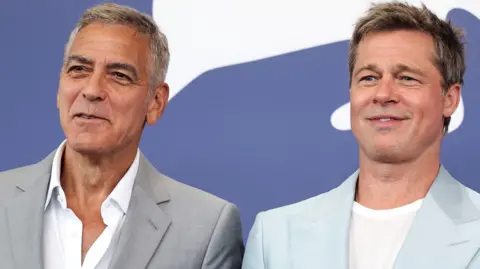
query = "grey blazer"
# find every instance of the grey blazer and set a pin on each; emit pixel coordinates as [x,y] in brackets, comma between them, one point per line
[168,224]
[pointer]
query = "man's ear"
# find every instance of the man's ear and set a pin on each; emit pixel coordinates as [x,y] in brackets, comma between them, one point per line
[451,100]
[157,103]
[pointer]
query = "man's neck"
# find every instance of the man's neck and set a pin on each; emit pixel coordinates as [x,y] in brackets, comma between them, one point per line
[88,181]
[386,186]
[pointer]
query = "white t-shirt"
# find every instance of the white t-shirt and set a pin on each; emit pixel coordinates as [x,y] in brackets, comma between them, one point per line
[376,236]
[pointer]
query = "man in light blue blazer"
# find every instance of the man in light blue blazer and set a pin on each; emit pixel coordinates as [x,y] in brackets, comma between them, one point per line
[401,209]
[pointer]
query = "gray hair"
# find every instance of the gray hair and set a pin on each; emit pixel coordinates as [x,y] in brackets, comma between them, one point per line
[111,13]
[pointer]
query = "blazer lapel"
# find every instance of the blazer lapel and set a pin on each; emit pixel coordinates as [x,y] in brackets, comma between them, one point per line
[145,223]
[25,217]
[446,231]
[321,232]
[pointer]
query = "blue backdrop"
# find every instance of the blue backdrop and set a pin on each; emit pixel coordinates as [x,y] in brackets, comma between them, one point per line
[256,133]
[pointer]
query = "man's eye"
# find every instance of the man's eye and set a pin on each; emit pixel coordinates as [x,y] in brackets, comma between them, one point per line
[121,76]
[77,68]
[407,78]
[368,78]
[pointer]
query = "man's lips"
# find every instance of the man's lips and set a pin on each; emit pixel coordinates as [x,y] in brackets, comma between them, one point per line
[88,116]
[386,121]
[385,118]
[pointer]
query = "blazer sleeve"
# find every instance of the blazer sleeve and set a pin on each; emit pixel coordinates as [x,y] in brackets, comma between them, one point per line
[226,247]
[254,258]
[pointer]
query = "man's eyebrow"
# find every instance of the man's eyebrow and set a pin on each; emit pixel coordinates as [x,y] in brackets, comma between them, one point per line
[402,68]
[117,65]
[128,67]
[78,58]
[397,69]
[371,67]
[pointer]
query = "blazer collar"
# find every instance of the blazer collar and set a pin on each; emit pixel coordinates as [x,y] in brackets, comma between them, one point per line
[444,233]
[143,213]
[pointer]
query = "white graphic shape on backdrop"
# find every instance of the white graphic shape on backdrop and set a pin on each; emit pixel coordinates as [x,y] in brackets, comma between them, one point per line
[208,34]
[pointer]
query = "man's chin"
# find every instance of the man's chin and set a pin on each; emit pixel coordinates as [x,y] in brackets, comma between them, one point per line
[89,146]
[387,153]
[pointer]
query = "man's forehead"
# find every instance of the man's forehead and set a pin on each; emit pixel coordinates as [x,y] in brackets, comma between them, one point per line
[401,41]
[403,34]
[88,58]
[391,55]
[112,36]
[101,28]
[380,64]
[105,46]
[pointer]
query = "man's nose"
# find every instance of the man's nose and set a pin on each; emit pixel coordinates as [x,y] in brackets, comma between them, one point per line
[94,90]
[386,91]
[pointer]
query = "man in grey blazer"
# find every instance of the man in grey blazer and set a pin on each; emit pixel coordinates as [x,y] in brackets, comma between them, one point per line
[96,202]
[401,209]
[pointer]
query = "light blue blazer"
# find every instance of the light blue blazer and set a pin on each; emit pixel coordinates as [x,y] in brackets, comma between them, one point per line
[445,233]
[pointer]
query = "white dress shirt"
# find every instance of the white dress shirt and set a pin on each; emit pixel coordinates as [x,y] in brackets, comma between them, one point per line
[62,231]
